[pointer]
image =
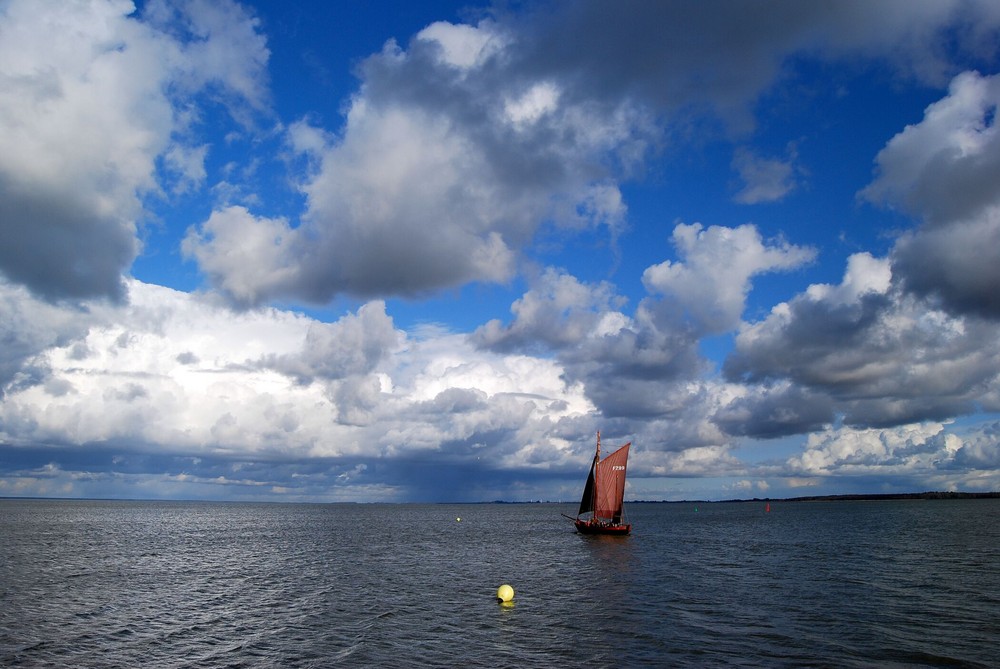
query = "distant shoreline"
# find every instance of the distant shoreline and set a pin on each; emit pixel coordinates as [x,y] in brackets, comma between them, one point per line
[862,497]
[853,497]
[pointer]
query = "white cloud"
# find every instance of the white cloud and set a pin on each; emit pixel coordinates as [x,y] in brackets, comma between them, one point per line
[864,275]
[85,118]
[29,327]
[699,461]
[537,101]
[558,311]
[354,345]
[463,46]
[246,256]
[945,168]
[437,178]
[747,486]
[189,164]
[846,451]
[711,282]
[177,375]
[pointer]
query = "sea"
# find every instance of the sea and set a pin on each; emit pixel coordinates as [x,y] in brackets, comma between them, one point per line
[902,583]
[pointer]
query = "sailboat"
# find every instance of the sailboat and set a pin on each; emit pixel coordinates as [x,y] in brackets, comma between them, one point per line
[602,506]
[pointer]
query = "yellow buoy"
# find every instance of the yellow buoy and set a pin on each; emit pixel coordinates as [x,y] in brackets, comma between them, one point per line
[459,519]
[505,593]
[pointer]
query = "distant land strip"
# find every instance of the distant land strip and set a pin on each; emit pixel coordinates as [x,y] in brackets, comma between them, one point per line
[853,497]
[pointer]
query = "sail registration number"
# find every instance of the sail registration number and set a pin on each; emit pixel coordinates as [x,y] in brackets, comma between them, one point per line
[618,468]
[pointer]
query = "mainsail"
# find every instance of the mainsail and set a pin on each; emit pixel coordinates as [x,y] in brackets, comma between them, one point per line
[609,485]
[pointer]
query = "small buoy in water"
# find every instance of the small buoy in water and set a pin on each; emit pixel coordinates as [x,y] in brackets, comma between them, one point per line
[505,593]
[458,520]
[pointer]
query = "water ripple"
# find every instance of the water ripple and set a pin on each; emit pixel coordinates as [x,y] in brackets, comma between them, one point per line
[127,584]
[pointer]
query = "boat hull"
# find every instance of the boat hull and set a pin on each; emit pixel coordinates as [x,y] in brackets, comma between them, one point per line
[590,527]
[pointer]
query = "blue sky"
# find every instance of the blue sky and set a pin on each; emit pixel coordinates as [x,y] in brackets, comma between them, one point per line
[340,251]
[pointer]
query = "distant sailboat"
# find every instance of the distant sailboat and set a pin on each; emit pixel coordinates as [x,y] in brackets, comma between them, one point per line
[602,509]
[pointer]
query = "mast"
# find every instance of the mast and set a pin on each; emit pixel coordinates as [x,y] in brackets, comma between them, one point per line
[597,488]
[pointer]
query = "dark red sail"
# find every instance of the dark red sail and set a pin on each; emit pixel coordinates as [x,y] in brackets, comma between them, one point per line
[609,480]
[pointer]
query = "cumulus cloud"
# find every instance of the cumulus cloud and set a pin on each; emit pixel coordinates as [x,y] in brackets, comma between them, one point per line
[945,170]
[979,451]
[438,178]
[774,410]
[559,311]
[458,148]
[901,338]
[353,345]
[651,367]
[849,452]
[864,351]
[245,256]
[711,282]
[647,366]
[172,382]
[29,327]
[630,366]
[704,292]
[87,116]
[958,265]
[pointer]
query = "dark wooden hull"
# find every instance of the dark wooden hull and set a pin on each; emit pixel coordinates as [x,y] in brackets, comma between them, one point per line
[589,527]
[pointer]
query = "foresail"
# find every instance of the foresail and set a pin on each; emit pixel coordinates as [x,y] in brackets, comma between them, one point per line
[587,501]
[610,484]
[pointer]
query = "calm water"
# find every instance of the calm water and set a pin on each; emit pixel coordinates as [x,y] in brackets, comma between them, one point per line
[825,584]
